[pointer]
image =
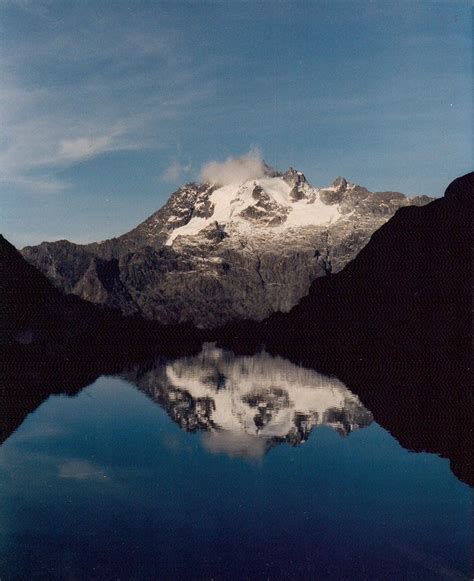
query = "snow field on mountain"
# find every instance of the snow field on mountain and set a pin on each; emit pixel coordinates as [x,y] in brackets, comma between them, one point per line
[231,200]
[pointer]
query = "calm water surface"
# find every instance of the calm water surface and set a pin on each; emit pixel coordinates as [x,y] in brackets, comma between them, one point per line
[224,467]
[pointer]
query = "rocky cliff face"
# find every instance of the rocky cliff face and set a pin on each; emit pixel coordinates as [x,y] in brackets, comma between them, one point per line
[216,253]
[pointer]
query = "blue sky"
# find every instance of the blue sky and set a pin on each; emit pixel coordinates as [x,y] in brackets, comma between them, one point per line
[106,107]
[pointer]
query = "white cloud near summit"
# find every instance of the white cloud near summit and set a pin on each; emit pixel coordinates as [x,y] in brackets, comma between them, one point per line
[175,171]
[234,169]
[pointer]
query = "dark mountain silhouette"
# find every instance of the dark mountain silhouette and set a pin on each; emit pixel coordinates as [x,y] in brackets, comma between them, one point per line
[33,311]
[407,291]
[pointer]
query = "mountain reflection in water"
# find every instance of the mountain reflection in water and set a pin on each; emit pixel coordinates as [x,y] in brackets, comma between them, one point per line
[247,401]
[248,404]
[110,483]
[149,471]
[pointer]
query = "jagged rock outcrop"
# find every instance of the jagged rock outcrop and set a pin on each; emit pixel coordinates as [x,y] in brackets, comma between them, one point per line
[215,253]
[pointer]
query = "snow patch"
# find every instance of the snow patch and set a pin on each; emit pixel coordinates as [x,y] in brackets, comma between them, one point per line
[231,200]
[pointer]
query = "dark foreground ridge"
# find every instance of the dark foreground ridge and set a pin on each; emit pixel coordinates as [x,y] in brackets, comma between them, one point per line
[394,326]
[40,322]
[407,291]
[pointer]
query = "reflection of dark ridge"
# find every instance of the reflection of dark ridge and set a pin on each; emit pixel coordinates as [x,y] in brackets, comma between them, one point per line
[425,404]
[24,386]
[23,391]
[15,410]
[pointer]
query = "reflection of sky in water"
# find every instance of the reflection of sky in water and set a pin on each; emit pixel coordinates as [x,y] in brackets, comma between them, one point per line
[105,484]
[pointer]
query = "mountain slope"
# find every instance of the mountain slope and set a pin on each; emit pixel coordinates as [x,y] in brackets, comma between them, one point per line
[33,311]
[216,253]
[43,326]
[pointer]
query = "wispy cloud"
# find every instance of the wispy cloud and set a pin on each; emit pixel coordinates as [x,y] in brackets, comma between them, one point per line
[176,171]
[34,150]
[73,92]
[83,147]
[42,185]
[82,470]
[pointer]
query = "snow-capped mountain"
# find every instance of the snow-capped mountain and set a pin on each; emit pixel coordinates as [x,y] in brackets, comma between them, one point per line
[277,202]
[215,252]
[249,404]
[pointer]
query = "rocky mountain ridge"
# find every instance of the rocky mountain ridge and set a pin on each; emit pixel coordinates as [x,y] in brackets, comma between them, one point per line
[215,253]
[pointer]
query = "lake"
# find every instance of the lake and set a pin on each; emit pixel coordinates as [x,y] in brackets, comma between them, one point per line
[223,466]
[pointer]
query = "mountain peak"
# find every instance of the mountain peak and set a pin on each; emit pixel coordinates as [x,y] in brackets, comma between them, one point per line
[273,234]
[294,177]
[340,184]
[270,171]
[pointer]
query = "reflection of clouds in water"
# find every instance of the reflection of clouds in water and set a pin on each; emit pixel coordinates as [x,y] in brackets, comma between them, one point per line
[175,444]
[41,431]
[248,404]
[81,470]
[236,444]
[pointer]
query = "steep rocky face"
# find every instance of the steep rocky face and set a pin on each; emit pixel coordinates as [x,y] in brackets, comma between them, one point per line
[215,253]
[249,404]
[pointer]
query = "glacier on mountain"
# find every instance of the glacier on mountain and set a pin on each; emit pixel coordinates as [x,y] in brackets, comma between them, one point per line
[230,202]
